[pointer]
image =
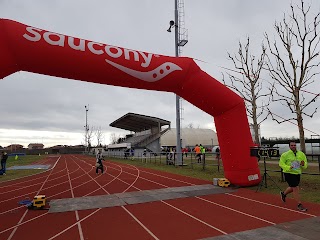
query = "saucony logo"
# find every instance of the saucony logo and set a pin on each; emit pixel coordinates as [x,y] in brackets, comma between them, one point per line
[151,76]
[55,39]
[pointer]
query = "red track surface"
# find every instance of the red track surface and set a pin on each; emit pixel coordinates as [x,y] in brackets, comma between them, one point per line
[184,218]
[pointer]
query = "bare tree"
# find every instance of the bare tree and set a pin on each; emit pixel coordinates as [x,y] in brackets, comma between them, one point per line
[99,135]
[90,137]
[190,125]
[113,138]
[247,82]
[293,62]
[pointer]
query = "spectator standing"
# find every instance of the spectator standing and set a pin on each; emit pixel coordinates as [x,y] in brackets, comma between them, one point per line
[184,151]
[126,153]
[203,153]
[99,159]
[292,162]
[145,154]
[132,153]
[187,150]
[198,153]
[218,153]
[4,157]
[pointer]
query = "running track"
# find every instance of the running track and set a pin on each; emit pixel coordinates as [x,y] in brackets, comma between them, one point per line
[184,218]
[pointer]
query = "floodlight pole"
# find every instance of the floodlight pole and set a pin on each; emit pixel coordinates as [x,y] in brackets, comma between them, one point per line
[86,130]
[178,128]
[178,42]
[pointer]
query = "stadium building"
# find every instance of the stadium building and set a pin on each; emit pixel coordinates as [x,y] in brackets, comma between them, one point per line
[152,134]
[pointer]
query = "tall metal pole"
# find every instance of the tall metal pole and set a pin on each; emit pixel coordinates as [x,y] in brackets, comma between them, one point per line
[176,31]
[86,130]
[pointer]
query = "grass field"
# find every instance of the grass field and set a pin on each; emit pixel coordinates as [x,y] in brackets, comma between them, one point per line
[21,161]
[310,184]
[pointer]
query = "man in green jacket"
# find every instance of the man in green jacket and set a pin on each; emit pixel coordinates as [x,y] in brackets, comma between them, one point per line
[203,153]
[292,162]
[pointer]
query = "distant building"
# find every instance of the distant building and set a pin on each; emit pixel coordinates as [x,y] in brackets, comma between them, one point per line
[190,137]
[65,149]
[77,146]
[14,147]
[35,146]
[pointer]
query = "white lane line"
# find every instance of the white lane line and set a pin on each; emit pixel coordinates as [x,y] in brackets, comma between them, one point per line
[191,216]
[137,177]
[76,212]
[235,195]
[170,178]
[144,178]
[20,224]
[129,186]
[93,179]
[16,228]
[35,184]
[247,199]
[140,223]
[25,213]
[80,220]
[234,210]
[195,218]
[272,205]
[50,197]
[131,214]
[72,225]
[115,178]
[29,220]
[33,192]
[12,210]
[57,194]
[231,209]
[56,162]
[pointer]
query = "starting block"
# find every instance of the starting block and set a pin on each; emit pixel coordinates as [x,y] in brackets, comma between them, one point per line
[38,202]
[223,182]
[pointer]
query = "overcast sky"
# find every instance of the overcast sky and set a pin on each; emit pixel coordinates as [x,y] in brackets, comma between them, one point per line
[50,110]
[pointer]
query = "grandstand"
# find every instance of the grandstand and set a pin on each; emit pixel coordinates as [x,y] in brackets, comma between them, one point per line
[152,133]
[146,130]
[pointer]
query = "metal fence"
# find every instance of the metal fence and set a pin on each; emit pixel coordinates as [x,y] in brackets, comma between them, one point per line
[189,159]
[208,160]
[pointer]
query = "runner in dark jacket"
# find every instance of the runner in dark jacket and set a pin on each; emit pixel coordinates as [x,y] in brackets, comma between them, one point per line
[99,158]
[4,157]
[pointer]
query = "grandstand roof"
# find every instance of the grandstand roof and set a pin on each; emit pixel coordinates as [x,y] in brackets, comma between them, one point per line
[137,122]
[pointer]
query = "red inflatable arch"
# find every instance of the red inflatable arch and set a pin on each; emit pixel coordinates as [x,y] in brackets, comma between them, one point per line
[36,50]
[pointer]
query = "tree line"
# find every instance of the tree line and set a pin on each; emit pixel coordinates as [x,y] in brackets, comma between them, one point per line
[290,59]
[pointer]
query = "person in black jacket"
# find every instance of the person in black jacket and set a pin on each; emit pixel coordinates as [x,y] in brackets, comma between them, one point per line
[99,165]
[4,157]
[218,153]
